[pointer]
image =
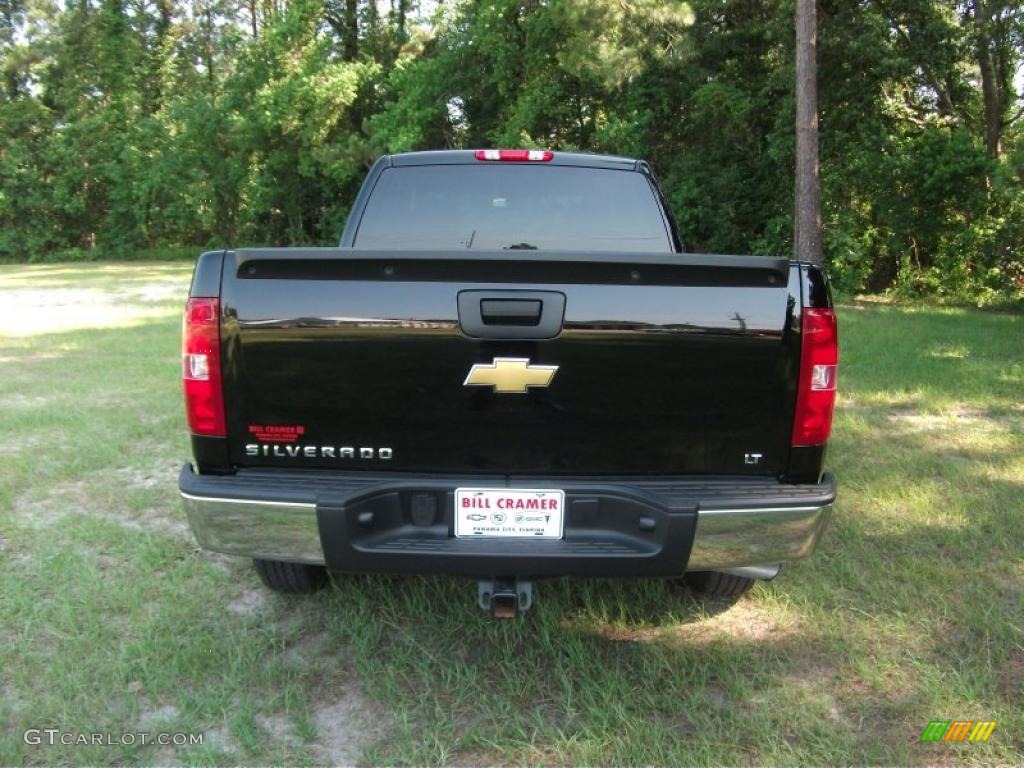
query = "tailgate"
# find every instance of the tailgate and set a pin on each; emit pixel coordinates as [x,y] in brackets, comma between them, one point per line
[659,363]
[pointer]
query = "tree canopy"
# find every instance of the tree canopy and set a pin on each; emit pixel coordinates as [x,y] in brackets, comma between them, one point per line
[128,125]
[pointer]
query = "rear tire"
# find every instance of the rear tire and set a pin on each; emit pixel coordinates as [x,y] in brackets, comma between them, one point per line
[291,578]
[718,584]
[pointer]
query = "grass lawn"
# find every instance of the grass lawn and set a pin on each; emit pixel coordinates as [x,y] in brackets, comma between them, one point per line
[111,620]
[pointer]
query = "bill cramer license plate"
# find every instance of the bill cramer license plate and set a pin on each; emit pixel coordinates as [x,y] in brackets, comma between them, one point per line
[518,512]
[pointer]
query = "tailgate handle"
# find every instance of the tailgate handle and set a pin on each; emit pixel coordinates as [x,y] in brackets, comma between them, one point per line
[511,314]
[510,311]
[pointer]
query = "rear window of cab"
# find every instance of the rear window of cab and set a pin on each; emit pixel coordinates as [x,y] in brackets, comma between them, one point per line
[513,206]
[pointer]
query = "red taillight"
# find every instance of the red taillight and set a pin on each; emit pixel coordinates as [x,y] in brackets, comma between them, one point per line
[515,155]
[200,358]
[816,390]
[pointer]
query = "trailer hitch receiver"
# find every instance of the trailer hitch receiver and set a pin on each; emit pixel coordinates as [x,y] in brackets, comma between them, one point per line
[504,598]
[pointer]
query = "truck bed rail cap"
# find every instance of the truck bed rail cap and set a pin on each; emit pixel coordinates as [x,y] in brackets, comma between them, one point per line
[713,261]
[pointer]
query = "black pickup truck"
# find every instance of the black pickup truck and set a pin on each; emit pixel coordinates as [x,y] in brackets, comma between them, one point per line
[510,369]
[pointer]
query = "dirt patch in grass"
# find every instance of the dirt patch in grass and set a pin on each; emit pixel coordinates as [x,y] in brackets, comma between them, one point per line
[817,681]
[29,357]
[307,649]
[9,694]
[154,719]
[161,475]
[15,443]
[35,312]
[746,621]
[716,697]
[475,758]
[1011,678]
[153,292]
[347,726]
[47,510]
[223,563]
[249,603]
[80,498]
[279,728]
[220,738]
[148,523]
[18,400]
[624,633]
[956,417]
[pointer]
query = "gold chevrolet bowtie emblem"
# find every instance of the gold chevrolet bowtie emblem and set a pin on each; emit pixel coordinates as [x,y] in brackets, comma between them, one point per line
[510,375]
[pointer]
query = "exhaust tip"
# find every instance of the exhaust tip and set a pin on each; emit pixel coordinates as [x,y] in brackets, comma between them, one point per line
[762,572]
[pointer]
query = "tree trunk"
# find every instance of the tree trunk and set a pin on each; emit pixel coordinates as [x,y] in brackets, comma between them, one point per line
[807,213]
[208,44]
[401,14]
[7,39]
[350,31]
[991,87]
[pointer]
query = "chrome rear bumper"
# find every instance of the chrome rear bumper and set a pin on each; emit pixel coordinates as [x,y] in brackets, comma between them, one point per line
[273,530]
[734,538]
[752,537]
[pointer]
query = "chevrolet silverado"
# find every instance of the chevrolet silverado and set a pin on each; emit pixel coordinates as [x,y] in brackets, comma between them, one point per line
[510,369]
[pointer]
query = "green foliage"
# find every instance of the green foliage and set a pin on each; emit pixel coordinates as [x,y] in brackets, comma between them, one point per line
[126,128]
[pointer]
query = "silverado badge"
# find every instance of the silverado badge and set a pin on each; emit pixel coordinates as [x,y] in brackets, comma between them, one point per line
[510,375]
